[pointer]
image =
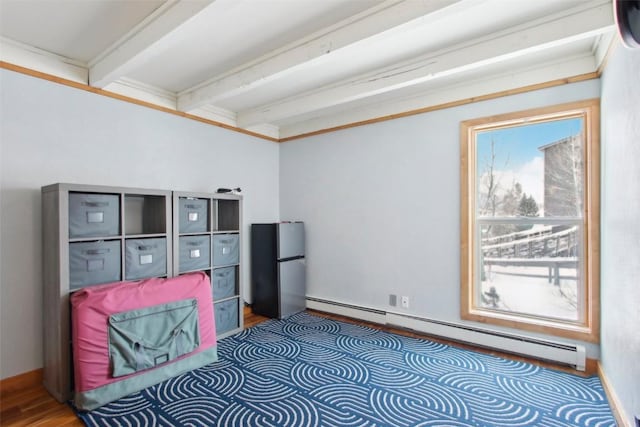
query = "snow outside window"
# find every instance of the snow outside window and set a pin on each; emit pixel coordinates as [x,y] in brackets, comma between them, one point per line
[530,202]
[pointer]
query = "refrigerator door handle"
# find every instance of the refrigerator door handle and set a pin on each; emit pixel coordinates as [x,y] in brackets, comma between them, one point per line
[293,258]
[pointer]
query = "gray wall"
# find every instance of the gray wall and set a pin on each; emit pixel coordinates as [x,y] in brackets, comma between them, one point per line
[52,133]
[382,205]
[621,228]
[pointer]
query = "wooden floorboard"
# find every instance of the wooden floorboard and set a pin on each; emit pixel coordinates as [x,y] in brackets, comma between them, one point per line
[31,405]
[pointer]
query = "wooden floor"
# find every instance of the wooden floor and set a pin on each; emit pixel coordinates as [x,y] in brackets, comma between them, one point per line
[31,405]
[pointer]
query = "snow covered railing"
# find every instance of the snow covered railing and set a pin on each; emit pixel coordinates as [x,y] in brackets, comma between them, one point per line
[536,230]
[554,264]
[553,236]
[561,242]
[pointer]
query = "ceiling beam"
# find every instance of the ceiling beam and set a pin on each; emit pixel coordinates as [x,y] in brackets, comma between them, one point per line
[517,79]
[585,21]
[37,59]
[388,16]
[143,41]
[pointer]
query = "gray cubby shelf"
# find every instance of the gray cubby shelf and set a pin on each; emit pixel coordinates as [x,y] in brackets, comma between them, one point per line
[100,234]
[216,220]
[93,235]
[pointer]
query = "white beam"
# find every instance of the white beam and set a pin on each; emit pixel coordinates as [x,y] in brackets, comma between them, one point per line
[576,24]
[603,45]
[141,42]
[476,87]
[143,92]
[46,62]
[391,15]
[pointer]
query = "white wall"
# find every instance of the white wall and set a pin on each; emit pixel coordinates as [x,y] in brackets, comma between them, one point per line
[382,205]
[621,228]
[52,133]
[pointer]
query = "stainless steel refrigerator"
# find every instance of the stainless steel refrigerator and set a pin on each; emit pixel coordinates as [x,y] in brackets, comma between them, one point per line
[278,271]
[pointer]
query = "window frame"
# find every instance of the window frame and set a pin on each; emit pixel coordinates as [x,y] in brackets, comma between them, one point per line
[586,329]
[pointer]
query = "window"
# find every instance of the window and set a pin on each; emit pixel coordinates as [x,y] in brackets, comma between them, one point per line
[530,220]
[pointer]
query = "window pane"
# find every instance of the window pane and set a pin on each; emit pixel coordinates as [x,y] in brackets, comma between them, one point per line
[533,170]
[531,269]
[530,202]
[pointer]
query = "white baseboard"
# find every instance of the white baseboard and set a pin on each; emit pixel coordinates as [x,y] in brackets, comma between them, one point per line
[542,349]
[356,312]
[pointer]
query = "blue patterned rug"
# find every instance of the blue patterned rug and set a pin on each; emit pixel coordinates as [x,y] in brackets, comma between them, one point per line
[312,371]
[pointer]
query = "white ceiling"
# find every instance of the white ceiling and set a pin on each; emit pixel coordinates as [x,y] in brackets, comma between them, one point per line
[284,68]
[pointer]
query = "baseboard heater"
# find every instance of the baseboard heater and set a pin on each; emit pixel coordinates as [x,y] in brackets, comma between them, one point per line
[564,353]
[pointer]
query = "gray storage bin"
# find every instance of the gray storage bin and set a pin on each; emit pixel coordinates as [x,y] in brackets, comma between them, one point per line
[144,338]
[145,258]
[225,249]
[195,253]
[223,281]
[91,263]
[193,215]
[226,314]
[94,215]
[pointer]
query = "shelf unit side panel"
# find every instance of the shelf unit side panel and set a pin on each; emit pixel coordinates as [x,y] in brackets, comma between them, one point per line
[56,328]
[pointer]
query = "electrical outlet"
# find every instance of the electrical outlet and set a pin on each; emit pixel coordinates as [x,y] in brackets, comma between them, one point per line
[405,302]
